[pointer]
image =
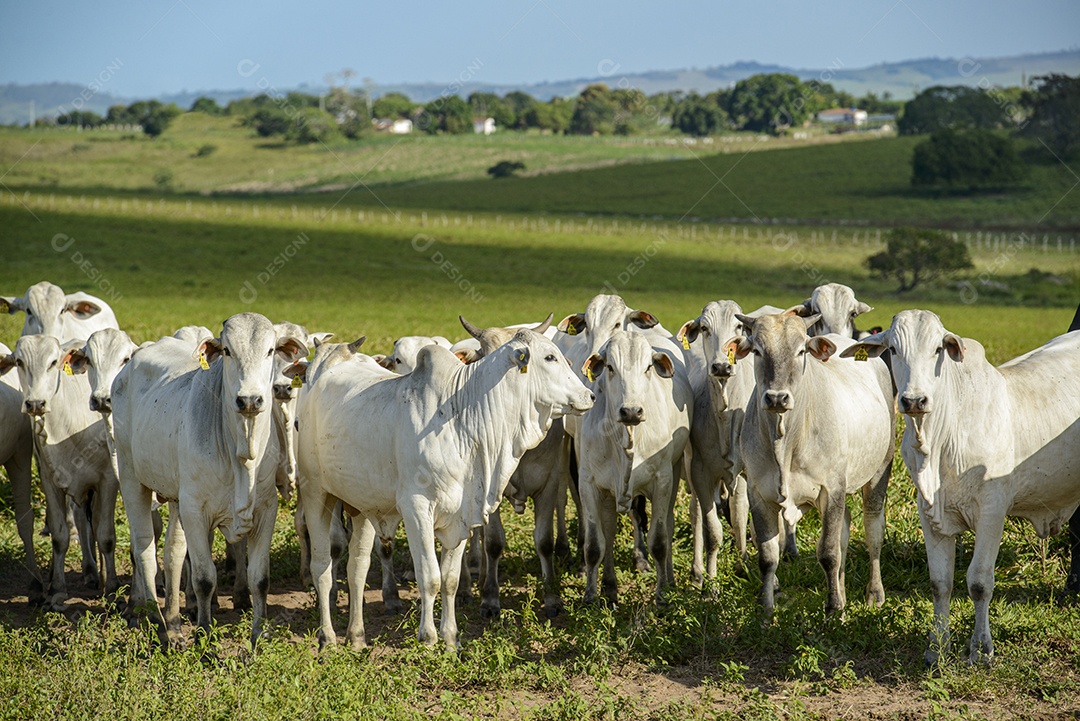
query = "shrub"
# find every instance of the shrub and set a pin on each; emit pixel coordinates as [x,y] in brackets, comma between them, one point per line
[915,255]
[505,168]
[966,160]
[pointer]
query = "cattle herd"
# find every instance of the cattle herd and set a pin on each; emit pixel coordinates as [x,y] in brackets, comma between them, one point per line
[764,414]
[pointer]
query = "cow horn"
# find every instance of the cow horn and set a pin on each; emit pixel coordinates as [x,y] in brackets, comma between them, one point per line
[542,327]
[472,329]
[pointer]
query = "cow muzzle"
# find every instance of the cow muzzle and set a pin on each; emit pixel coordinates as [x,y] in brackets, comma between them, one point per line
[249,405]
[914,404]
[777,401]
[283,391]
[101,404]
[721,370]
[631,415]
[34,408]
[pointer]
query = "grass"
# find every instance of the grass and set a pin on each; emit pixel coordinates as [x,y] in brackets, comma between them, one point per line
[178,261]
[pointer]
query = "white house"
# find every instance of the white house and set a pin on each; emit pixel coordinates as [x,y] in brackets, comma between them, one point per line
[394,126]
[483,126]
[843,115]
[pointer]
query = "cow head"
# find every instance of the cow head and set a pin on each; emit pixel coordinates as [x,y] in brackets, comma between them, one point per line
[101,358]
[603,316]
[554,386]
[716,325]
[46,306]
[40,360]
[493,337]
[780,346]
[283,386]
[622,371]
[837,307]
[921,349]
[402,359]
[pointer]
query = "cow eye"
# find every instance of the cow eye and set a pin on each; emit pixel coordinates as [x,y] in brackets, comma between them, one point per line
[52,365]
[550,358]
[125,361]
[939,349]
[226,352]
[18,363]
[704,330]
[269,352]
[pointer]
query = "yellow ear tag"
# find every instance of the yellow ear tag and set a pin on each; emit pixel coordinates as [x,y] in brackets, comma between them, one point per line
[571,329]
[202,362]
[686,343]
[731,356]
[522,358]
[861,354]
[589,374]
[297,382]
[67,369]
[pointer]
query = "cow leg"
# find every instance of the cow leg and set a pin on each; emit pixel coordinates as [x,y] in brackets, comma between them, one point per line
[708,533]
[660,533]
[241,593]
[575,496]
[137,503]
[639,516]
[609,520]
[560,479]
[363,538]
[420,530]
[873,497]
[940,558]
[18,470]
[739,516]
[545,505]
[391,600]
[595,545]
[340,538]
[791,545]
[104,513]
[494,544]
[1072,584]
[980,582]
[56,519]
[203,572]
[471,565]
[258,563]
[300,524]
[155,518]
[84,520]
[830,546]
[766,517]
[175,556]
[318,512]
[451,560]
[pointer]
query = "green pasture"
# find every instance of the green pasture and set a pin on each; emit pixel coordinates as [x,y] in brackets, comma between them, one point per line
[163,263]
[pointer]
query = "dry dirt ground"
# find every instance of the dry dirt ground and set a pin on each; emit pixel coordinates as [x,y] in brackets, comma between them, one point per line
[691,687]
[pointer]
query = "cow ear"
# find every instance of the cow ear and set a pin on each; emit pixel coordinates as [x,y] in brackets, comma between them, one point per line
[296,369]
[354,347]
[803,310]
[861,308]
[7,362]
[871,347]
[384,361]
[739,347]
[210,348]
[954,344]
[572,324]
[521,358]
[468,355]
[292,348]
[689,332]
[77,359]
[11,305]
[820,347]
[661,363]
[642,319]
[82,308]
[317,339]
[593,367]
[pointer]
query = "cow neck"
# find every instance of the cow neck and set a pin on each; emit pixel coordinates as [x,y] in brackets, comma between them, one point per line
[785,430]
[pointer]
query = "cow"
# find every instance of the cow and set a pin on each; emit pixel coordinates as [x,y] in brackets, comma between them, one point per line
[631,444]
[434,448]
[195,428]
[1072,583]
[403,358]
[16,452]
[837,308]
[73,457]
[721,392]
[981,443]
[540,475]
[66,316]
[816,430]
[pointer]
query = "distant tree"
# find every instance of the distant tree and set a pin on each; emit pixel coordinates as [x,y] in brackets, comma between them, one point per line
[1055,113]
[968,159]
[268,121]
[957,108]
[392,106]
[770,103]
[349,110]
[449,114]
[695,115]
[918,255]
[884,105]
[80,119]
[505,168]
[206,105]
[117,115]
[490,105]
[312,125]
[152,115]
[520,103]
[553,116]
[594,111]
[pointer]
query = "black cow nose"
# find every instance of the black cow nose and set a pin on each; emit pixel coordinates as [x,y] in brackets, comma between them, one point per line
[777,401]
[914,404]
[720,370]
[249,404]
[101,405]
[592,396]
[283,391]
[34,408]
[631,416]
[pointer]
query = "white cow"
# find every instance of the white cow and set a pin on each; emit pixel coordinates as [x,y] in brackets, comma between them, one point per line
[817,429]
[981,443]
[66,316]
[434,448]
[196,428]
[403,358]
[631,444]
[73,456]
[16,451]
[838,308]
[722,390]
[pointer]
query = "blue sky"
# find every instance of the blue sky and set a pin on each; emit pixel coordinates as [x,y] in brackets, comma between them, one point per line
[150,47]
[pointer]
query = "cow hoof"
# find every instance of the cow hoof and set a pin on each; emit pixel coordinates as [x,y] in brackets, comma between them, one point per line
[241,602]
[357,643]
[790,554]
[90,580]
[642,565]
[57,602]
[489,611]
[394,607]
[463,599]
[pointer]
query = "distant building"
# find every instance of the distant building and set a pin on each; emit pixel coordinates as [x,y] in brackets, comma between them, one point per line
[394,126]
[842,115]
[483,126]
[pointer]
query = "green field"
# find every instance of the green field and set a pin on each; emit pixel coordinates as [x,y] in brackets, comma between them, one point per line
[169,262]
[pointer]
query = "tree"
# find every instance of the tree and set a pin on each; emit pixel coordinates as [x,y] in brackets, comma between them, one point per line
[594,111]
[206,105]
[490,105]
[968,159]
[392,105]
[268,121]
[553,116]
[917,255]
[449,114]
[695,115]
[312,125]
[520,103]
[770,103]
[505,168]
[349,110]
[957,107]
[1055,113]
[80,118]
